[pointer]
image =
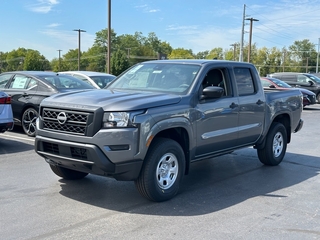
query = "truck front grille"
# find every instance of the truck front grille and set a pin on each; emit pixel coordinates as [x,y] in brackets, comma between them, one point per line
[67,121]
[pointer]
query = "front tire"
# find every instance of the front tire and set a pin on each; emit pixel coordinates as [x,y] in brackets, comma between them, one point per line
[28,121]
[162,171]
[275,147]
[66,173]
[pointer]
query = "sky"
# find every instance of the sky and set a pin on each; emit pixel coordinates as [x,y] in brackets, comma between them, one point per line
[48,25]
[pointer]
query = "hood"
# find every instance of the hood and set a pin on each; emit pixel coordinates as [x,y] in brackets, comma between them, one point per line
[110,100]
[306,91]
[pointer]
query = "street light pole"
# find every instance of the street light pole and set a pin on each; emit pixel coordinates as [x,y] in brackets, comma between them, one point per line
[79,52]
[59,60]
[109,36]
[234,51]
[250,37]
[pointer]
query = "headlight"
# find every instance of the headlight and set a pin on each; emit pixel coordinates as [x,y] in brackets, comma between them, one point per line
[115,119]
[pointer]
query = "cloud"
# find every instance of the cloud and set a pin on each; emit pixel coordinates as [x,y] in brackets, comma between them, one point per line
[43,6]
[53,25]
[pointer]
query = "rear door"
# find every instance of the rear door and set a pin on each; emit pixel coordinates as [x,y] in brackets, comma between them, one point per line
[251,105]
[23,90]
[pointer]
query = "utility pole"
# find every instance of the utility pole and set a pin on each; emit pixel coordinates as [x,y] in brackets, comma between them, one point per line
[250,37]
[318,55]
[234,51]
[242,34]
[109,36]
[79,52]
[59,60]
[284,58]
[307,64]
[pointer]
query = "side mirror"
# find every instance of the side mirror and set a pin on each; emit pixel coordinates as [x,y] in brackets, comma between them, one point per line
[311,83]
[212,92]
[272,86]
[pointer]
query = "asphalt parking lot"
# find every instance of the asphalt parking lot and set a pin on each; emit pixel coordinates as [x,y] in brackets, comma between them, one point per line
[229,197]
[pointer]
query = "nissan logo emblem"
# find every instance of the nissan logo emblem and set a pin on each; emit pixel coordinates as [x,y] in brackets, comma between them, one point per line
[62,118]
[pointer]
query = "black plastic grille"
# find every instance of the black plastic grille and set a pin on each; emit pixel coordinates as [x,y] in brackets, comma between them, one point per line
[51,148]
[75,122]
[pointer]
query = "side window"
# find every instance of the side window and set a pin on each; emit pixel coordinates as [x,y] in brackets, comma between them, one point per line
[4,79]
[302,79]
[265,83]
[19,82]
[32,84]
[244,81]
[217,77]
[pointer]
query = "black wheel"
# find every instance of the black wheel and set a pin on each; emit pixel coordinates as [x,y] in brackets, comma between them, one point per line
[162,171]
[318,98]
[66,173]
[275,146]
[28,121]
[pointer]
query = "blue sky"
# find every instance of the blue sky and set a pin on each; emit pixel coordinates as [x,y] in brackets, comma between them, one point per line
[47,25]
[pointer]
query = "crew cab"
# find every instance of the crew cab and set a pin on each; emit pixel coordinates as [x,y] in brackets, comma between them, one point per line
[160,116]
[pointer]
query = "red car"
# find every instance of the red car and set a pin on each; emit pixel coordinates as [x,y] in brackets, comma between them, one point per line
[271,83]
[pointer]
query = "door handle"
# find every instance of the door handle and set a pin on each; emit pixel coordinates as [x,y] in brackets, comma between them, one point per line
[233,105]
[259,102]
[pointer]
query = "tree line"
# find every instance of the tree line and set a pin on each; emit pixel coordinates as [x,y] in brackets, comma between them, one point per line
[127,50]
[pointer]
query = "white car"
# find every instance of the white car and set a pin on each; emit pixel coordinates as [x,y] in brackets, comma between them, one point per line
[6,116]
[97,79]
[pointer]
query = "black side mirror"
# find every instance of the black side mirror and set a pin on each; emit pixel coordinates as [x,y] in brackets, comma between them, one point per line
[272,86]
[311,83]
[212,92]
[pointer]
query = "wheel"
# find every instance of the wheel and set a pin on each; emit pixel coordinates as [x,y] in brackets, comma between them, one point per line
[28,121]
[275,146]
[162,171]
[318,98]
[66,173]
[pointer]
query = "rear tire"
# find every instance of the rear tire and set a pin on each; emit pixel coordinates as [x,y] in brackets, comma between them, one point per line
[28,121]
[275,147]
[162,171]
[66,173]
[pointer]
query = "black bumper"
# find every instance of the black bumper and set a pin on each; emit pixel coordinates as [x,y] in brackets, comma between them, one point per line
[86,158]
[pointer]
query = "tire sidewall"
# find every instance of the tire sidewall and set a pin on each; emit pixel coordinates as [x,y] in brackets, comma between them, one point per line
[277,128]
[165,146]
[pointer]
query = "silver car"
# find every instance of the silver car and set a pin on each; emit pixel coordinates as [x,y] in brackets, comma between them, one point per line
[96,79]
[6,117]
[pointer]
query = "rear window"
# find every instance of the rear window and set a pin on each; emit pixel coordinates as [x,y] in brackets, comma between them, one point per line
[66,82]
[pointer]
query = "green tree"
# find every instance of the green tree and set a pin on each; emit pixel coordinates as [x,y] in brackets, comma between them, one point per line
[33,60]
[215,53]
[119,62]
[303,52]
[181,53]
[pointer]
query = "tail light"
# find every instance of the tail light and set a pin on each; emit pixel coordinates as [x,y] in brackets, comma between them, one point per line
[5,100]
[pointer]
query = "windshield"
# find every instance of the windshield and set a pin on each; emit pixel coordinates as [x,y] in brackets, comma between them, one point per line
[280,83]
[313,77]
[157,77]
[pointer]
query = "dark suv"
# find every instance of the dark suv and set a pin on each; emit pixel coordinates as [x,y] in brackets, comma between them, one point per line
[301,80]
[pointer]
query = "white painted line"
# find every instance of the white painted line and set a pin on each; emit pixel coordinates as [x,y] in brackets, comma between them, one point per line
[14,137]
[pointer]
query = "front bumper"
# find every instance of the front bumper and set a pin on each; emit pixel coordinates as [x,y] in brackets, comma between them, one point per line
[298,128]
[84,157]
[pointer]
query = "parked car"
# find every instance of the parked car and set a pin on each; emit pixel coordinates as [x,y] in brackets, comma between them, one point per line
[301,80]
[28,88]
[96,79]
[6,117]
[274,83]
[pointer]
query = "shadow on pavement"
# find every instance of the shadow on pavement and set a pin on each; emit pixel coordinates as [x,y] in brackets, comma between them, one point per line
[8,146]
[211,186]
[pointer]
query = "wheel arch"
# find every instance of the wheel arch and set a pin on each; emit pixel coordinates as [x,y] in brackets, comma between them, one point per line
[176,129]
[284,119]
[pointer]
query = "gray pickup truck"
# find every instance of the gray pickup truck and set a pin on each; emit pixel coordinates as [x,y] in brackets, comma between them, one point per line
[158,117]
